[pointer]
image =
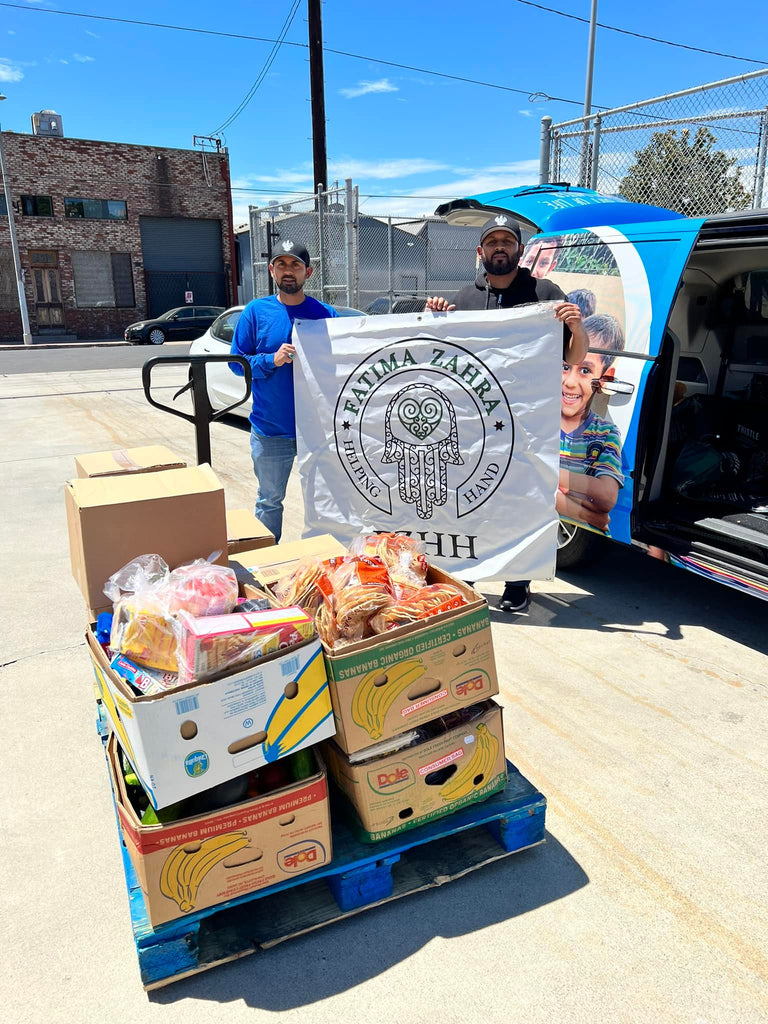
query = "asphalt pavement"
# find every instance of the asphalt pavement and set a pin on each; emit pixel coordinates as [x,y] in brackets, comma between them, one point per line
[636,700]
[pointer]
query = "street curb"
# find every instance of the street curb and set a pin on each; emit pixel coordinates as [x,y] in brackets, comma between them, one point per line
[20,347]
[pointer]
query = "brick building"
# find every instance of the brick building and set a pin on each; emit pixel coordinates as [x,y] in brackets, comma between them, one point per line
[111,233]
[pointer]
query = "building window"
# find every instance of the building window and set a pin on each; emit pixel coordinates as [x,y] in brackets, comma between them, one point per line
[43,257]
[37,206]
[96,209]
[3,207]
[103,279]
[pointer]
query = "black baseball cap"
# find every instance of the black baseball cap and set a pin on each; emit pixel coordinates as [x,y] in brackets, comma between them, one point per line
[501,222]
[286,247]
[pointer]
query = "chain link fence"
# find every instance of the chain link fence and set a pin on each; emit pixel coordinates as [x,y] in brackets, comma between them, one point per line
[377,264]
[699,151]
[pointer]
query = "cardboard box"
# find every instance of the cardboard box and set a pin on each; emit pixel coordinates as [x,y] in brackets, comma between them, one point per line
[397,680]
[245,532]
[410,787]
[148,459]
[266,565]
[212,858]
[189,739]
[176,513]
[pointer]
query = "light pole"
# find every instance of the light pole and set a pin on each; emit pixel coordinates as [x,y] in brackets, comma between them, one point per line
[584,172]
[26,334]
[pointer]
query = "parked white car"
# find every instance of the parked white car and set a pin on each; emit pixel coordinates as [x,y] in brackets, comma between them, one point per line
[224,386]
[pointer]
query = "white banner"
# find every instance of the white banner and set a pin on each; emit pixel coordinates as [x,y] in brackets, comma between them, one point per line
[444,426]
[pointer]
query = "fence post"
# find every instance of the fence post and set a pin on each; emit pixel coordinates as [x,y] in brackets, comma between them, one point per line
[390,266]
[349,240]
[595,153]
[546,128]
[321,237]
[757,198]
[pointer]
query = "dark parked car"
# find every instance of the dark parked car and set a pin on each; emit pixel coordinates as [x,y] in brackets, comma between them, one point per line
[412,304]
[180,324]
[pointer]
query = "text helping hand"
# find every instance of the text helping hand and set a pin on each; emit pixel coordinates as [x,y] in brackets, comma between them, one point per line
[568,313]
[285,354]
[437,304]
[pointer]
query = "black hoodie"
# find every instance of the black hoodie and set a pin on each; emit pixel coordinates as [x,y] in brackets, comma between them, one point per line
[524,289]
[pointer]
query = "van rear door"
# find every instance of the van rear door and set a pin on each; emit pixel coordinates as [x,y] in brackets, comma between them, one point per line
[622,262]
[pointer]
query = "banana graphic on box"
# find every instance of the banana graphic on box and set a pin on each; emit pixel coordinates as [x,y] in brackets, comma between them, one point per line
[288,728]
[481,763]
[371,703]
[183,871]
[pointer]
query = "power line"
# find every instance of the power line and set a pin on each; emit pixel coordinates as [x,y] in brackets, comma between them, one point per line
[264,70]
[640,35]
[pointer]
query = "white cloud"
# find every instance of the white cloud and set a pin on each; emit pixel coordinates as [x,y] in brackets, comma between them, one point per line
[525,113]
[11,32]
[61,61]
[425,199]
[384,169]
[82,59]
[364,88]
[10,72]
[91,34]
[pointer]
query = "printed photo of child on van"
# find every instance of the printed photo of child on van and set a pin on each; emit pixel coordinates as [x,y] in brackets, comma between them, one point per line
[590,446]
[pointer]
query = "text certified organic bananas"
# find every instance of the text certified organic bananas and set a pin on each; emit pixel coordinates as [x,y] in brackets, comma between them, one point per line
[480,764]
[183,871]
[378,691]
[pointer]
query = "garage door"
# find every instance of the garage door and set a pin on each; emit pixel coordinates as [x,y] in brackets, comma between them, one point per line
[182,254]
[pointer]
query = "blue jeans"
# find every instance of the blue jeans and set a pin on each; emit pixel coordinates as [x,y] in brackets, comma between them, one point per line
[272,463]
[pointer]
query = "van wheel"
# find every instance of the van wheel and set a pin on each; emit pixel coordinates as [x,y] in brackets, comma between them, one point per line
[575,546]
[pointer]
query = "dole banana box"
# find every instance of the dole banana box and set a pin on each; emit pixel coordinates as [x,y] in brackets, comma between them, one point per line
[392,682]
[212,858]
[410,787]
[192,738]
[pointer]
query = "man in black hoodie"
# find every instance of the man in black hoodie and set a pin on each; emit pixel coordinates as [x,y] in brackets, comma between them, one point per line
[501,284]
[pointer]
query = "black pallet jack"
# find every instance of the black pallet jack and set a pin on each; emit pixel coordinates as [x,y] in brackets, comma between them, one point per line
[203,413]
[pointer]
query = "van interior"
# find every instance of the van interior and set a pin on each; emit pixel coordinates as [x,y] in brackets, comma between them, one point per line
[709,487]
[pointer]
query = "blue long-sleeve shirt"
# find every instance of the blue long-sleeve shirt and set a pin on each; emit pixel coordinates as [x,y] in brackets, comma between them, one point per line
[264,325]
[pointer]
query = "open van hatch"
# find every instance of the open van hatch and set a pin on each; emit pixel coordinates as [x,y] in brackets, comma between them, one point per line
[710,490]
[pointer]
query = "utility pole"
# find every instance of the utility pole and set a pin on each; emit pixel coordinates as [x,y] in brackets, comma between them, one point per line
[317,94]
[584,173]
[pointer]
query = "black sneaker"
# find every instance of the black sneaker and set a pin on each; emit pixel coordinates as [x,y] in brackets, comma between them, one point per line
[515,599]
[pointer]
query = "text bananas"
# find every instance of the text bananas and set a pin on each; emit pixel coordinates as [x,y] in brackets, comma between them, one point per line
[480,765]
[183,871]
[371,702]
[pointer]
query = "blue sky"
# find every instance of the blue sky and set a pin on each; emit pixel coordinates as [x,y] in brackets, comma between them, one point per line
[407,138]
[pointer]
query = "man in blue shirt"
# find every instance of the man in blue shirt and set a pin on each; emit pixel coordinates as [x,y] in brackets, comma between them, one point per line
[263,336]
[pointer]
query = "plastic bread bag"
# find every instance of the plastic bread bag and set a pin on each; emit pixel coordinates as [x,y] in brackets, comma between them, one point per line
[361,588]
[202,588]
[298,586]
[403,555]
[429,600]
[142,626]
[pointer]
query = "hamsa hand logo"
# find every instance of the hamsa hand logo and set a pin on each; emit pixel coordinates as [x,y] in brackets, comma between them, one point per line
[420,435]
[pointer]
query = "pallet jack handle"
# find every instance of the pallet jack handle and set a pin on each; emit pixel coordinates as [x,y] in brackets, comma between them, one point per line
[203,412]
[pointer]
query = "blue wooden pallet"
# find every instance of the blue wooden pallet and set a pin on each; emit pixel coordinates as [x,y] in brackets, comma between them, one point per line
[359,876]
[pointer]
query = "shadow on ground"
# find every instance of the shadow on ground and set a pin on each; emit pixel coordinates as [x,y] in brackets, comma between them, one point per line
[346,954]
[625,590]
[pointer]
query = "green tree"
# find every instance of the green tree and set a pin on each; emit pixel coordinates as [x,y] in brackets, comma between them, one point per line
[686,175]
